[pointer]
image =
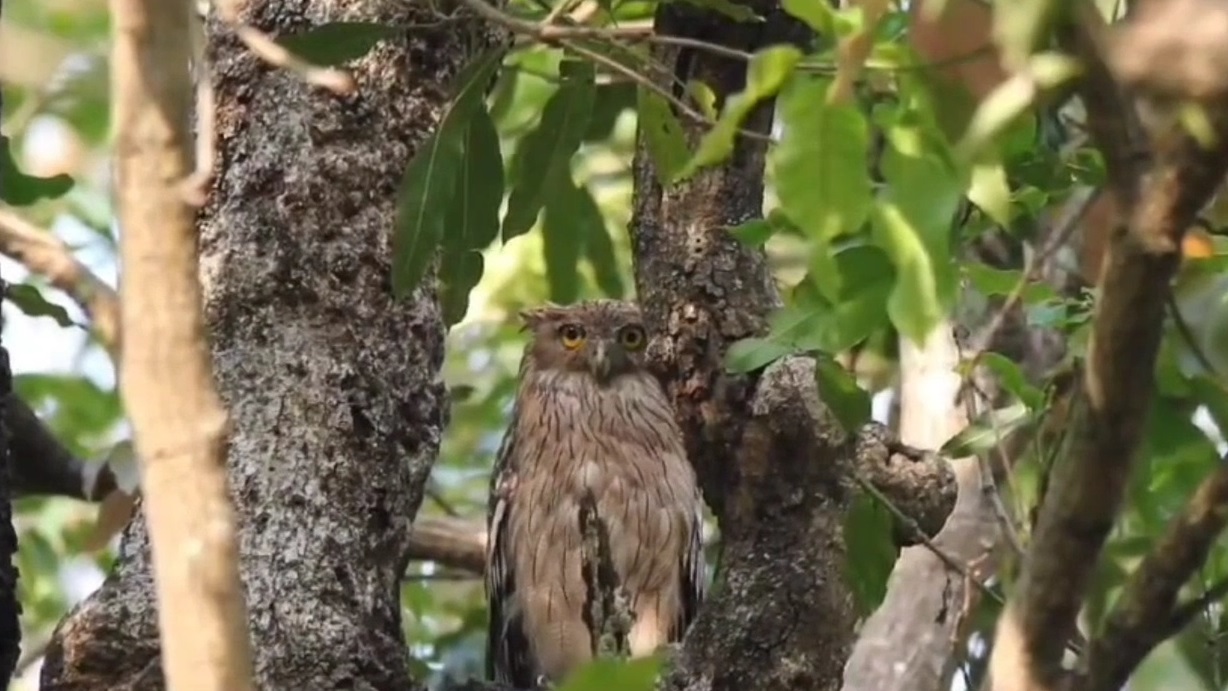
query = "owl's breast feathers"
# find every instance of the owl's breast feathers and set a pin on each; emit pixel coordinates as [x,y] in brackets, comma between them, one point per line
[621,443]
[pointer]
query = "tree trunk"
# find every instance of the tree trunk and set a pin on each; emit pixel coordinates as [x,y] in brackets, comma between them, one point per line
[333,388]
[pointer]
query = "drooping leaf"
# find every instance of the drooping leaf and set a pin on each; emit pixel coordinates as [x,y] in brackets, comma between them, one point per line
[19,189]
[750,354]
[987,431]
[427,189]
[563,242]
[331,44]
[912,222]
[753,233]
[663,135]
[605,674]
[598,247]
[767,72]
[839,391]
[473,220]
[609,102]
[871,552]
[544,158]
[820,163]
[31,301]
[459,272]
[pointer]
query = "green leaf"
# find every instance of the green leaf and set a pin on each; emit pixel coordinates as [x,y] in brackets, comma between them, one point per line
[818,14]
[820,164]
[473,220]
[750,354]
[753,233]
[459,272]
[871,552]
[838,390]
[598,247]
[426,191]
[19,189]
[859,309]
[1011,377]
[992,281]
[767,72]
[913,222]
[563,242]
[987,431]
[331,44]
[663,135]
[604,674]
[609,102]
[545,153]
[31,301]
[990,191]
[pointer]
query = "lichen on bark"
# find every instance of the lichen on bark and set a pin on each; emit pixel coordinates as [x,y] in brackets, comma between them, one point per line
[333,388]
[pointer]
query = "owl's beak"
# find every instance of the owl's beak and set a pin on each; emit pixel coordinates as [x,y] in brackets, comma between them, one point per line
[604,360]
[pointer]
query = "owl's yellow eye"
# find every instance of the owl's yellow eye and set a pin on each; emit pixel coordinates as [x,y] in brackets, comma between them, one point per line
[632,337]
[572,336]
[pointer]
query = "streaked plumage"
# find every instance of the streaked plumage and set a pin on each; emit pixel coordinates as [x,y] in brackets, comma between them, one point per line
[588,414]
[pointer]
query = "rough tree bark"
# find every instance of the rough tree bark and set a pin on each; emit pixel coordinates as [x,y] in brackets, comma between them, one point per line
[775,467]
[333,388]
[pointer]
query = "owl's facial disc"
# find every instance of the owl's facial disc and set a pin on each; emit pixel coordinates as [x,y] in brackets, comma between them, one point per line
[605,359]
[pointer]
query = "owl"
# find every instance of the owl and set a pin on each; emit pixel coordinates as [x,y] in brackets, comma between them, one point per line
[588,417]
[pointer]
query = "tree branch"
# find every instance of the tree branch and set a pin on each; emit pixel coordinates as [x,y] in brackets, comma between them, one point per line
[166,375]
[1089,479]
[453,542]
[46,255]
[1150,596]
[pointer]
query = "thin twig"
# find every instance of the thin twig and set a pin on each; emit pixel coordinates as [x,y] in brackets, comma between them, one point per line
[263,46]
[46,255]
[919,535]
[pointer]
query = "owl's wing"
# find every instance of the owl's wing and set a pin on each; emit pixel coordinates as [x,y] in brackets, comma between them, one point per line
[694,586]
[507,647]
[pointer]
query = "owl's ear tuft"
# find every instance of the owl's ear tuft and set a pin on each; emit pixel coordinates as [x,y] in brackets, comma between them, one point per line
[532,317]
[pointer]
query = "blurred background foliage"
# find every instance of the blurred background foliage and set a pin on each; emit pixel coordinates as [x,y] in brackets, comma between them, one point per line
[53,71]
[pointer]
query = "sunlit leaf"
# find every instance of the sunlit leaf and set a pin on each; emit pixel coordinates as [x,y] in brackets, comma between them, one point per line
[818,14]
[1010,375]
[767,72]
[19,189]
[31,301]
[912,222]
[427,189]
[990,192]
[333,43]
[820,163]
[545,154]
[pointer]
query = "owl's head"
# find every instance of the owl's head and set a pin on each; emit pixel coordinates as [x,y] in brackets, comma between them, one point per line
[604,338]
